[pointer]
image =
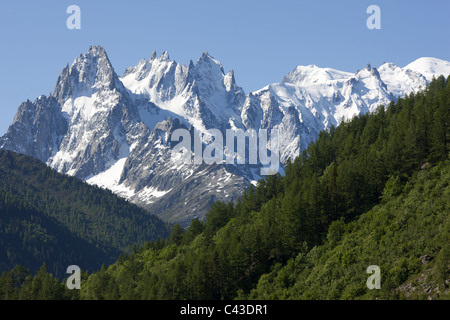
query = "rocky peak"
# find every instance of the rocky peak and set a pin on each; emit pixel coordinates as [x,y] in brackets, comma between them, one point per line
[90,72]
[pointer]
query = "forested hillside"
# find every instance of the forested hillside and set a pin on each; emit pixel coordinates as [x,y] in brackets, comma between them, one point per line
[407,236]
[373,191]
[49,217]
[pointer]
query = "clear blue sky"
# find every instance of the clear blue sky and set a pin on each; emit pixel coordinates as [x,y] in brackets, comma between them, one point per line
[260,40]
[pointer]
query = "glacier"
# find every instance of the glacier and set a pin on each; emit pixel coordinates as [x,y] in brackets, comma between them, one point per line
[114,131]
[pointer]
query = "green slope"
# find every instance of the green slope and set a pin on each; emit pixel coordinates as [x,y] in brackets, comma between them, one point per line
[408,237]
[49,217]
[357,197]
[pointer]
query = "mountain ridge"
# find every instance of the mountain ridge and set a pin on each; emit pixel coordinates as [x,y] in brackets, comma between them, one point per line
[49,217]
[373,194]
[100,127]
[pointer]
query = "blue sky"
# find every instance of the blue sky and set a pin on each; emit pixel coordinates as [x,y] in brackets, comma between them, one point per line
[260,40]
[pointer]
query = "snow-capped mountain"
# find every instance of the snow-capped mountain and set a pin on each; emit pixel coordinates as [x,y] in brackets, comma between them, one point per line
[430,67]
[115,131]
[201,94]
[95,128]
[319,98]
[401,81]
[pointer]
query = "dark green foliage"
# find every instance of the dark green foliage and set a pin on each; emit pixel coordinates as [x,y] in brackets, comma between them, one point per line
[393,235]
[60,220]
[374,190]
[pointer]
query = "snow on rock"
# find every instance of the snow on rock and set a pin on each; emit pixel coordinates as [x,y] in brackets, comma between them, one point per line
[430,67]
[401,81]
[308,75]
[200,94]
[110,179]
[115,132]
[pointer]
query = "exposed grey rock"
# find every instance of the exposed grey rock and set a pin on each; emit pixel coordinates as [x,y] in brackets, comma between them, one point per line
[115,132]
[425,259]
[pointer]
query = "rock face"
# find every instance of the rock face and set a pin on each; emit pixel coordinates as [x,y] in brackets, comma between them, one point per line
[38,129]
[424,285]
[116,131]
[425,259]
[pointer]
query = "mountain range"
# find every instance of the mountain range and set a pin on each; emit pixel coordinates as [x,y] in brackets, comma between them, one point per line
[114,131]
